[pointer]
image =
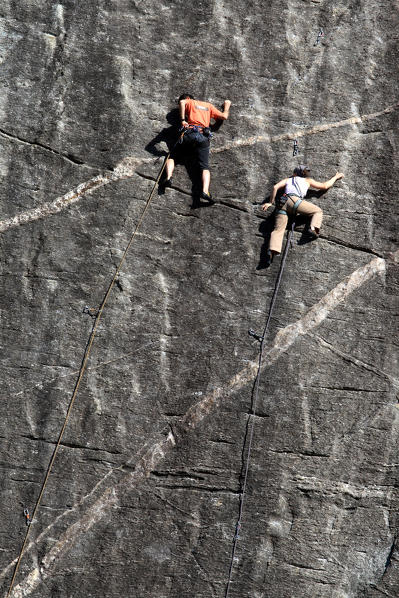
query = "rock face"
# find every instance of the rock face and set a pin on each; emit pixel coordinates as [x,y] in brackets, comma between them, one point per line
[143,497]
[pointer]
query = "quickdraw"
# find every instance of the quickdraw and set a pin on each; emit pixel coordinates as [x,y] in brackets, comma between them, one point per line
[258,337]
[28,519]
[91,311]
[319,36]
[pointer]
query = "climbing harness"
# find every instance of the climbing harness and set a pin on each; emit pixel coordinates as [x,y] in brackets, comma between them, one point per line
[280,204]
[283,200]
[295,151]
[205,131]
[82,371]
[319,36]
[182,131]
[295,206]
[255,395]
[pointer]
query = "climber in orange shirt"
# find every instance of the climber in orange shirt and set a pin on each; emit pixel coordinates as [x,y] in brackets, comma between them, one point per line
[195,118]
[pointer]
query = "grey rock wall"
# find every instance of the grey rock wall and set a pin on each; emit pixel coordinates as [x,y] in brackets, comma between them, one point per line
[144,494]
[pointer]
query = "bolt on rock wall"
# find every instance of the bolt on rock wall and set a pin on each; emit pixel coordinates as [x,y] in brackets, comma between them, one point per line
[144,494]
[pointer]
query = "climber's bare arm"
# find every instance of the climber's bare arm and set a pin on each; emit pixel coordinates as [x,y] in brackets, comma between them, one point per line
[276,188]
[326,184]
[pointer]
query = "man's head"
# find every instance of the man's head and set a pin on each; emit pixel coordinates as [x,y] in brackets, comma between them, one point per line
[302,170]
[185,96]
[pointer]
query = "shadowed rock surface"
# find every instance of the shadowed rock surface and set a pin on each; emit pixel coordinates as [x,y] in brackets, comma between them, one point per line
[143,498]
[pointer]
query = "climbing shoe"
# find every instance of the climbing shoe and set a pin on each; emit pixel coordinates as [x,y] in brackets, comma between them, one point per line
[267,261]
[269,258]
[207,196]
[167,183]
[312,234]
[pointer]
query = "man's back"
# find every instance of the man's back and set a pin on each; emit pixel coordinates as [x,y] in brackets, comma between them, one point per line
[200,113]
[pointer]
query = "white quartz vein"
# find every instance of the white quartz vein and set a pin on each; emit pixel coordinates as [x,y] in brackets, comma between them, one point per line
[154,452]
[127,168]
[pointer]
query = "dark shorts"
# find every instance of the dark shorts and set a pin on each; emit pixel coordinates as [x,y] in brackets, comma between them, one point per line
[195,146]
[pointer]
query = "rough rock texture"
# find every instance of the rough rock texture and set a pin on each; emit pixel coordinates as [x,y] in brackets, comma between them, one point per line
[143,498]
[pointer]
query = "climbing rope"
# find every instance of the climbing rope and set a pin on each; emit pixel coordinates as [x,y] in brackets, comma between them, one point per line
[255,394]
[82,371]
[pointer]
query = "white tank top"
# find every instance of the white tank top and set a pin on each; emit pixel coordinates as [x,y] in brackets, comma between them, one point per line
[297,185]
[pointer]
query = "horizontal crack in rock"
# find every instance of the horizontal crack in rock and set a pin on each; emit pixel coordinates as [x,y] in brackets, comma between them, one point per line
[128,167]
[39,145]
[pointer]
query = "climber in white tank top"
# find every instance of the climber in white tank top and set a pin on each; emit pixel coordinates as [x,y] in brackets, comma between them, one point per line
[296,185]
[292,202]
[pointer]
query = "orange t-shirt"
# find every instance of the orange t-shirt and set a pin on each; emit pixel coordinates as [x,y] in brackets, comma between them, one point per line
[200,113]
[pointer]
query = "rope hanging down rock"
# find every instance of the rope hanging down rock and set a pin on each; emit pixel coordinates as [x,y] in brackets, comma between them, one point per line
[81,373]
[255,395]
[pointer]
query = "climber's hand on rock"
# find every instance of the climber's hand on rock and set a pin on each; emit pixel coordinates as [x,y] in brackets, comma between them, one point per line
[266,206]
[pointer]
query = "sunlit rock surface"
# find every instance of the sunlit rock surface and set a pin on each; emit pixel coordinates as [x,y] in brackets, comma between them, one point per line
[144,494]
